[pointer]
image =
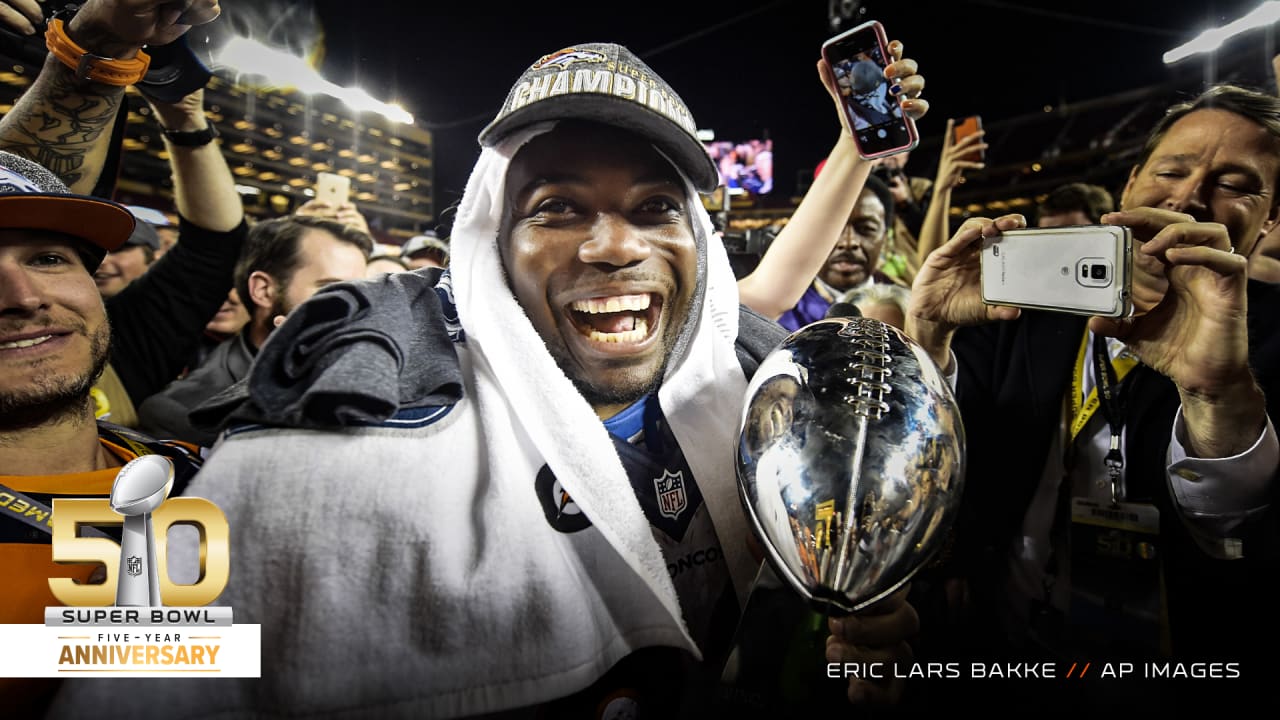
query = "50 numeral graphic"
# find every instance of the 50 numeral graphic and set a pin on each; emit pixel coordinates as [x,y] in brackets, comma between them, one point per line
[207,518]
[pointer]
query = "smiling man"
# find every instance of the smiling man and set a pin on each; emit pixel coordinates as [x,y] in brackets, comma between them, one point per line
[1138,521]
[528,458]
[54,343]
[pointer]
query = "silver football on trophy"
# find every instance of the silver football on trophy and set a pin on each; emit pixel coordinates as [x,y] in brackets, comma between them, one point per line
[850,460]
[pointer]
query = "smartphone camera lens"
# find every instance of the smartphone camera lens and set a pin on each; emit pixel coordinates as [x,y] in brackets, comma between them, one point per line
[1098,272]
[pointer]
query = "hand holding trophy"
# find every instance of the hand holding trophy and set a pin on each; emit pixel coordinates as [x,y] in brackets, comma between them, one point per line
[851,466]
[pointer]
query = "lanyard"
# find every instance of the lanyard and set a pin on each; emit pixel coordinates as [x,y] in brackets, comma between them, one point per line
[37,514]
[1106,394]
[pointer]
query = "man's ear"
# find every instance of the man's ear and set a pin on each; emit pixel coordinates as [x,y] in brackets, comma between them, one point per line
[262,289]
[1268,225]
[1124,194]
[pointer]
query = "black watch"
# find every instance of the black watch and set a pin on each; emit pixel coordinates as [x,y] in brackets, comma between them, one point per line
[194,138]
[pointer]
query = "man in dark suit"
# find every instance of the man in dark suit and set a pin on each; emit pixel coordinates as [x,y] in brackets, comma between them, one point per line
[1135,523]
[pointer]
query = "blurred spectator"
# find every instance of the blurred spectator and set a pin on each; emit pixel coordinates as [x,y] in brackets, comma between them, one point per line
[911,196]
[951,166]
[167,231]
[383,264]
[229,320]
[852,261]
[285,261]
[127,264]
[1074,204]
[425,250]
[885,302]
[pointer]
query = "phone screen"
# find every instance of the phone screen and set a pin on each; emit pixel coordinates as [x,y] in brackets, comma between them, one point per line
[858,59]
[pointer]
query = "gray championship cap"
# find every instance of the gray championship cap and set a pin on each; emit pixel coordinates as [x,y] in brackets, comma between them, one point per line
[605,83]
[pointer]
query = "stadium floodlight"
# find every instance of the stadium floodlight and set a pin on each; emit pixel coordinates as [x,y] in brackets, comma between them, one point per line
[1212,39]
[279,68]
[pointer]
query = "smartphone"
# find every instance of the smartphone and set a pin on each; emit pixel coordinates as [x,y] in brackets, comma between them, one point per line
[1086,270]
[971,125]
[858,58]
[333,188]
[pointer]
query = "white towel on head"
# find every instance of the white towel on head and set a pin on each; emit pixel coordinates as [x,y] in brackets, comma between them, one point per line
[701,395]
[408,570]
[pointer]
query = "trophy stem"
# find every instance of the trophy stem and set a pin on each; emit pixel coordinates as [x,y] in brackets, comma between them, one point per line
[848,534]
[137,560]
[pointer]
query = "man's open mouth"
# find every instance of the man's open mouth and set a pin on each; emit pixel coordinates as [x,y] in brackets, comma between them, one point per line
[623,319]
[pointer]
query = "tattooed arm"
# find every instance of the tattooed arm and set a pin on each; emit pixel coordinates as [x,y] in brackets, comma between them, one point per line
[65,124]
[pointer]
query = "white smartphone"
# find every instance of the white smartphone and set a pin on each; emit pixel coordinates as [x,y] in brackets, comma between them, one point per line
[1086,270]
[333,188]
[858,58]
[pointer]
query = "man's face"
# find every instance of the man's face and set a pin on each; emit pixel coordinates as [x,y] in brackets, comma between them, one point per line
[323,260]
[1063,219]
[54,335]
[120,268]
[858,250]
[168,238]
[1216,166]
[599,251]
[230,318]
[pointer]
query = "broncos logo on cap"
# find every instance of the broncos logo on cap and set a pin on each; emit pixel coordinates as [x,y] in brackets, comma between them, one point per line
[568,56]
[12,182]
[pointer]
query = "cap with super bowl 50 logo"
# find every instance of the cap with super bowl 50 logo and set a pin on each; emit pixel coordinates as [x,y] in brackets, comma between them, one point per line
[32,198]
[606,83]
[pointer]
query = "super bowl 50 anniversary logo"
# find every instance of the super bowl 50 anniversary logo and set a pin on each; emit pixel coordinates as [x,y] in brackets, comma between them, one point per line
[137,621]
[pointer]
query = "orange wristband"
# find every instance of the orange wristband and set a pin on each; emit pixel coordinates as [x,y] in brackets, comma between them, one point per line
[93,67]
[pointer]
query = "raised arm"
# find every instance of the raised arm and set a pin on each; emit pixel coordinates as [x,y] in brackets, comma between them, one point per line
[800,249]
[204,189]
[951,166]
[63,122]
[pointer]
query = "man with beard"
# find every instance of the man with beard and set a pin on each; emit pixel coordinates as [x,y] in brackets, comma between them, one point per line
[511,484]
[285,261]
[63,122]
[54,343]
[852,263]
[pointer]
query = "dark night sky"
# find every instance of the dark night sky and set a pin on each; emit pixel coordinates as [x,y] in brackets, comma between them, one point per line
[451,63]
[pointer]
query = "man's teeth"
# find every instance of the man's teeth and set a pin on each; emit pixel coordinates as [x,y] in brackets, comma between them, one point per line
[29,342]
[618,303]
[634,335]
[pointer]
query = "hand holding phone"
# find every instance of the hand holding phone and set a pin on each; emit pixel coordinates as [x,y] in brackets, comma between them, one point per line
[1084,270]
[871,104]
[333,189]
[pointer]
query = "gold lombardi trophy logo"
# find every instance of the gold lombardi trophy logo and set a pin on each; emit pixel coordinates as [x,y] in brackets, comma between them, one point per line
[138,568]
[138,490]
[121,625]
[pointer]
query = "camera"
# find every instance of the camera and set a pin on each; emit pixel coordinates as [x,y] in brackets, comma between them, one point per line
[746,248]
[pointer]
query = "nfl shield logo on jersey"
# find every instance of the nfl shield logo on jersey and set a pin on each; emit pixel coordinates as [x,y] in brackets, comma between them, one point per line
[671,497]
